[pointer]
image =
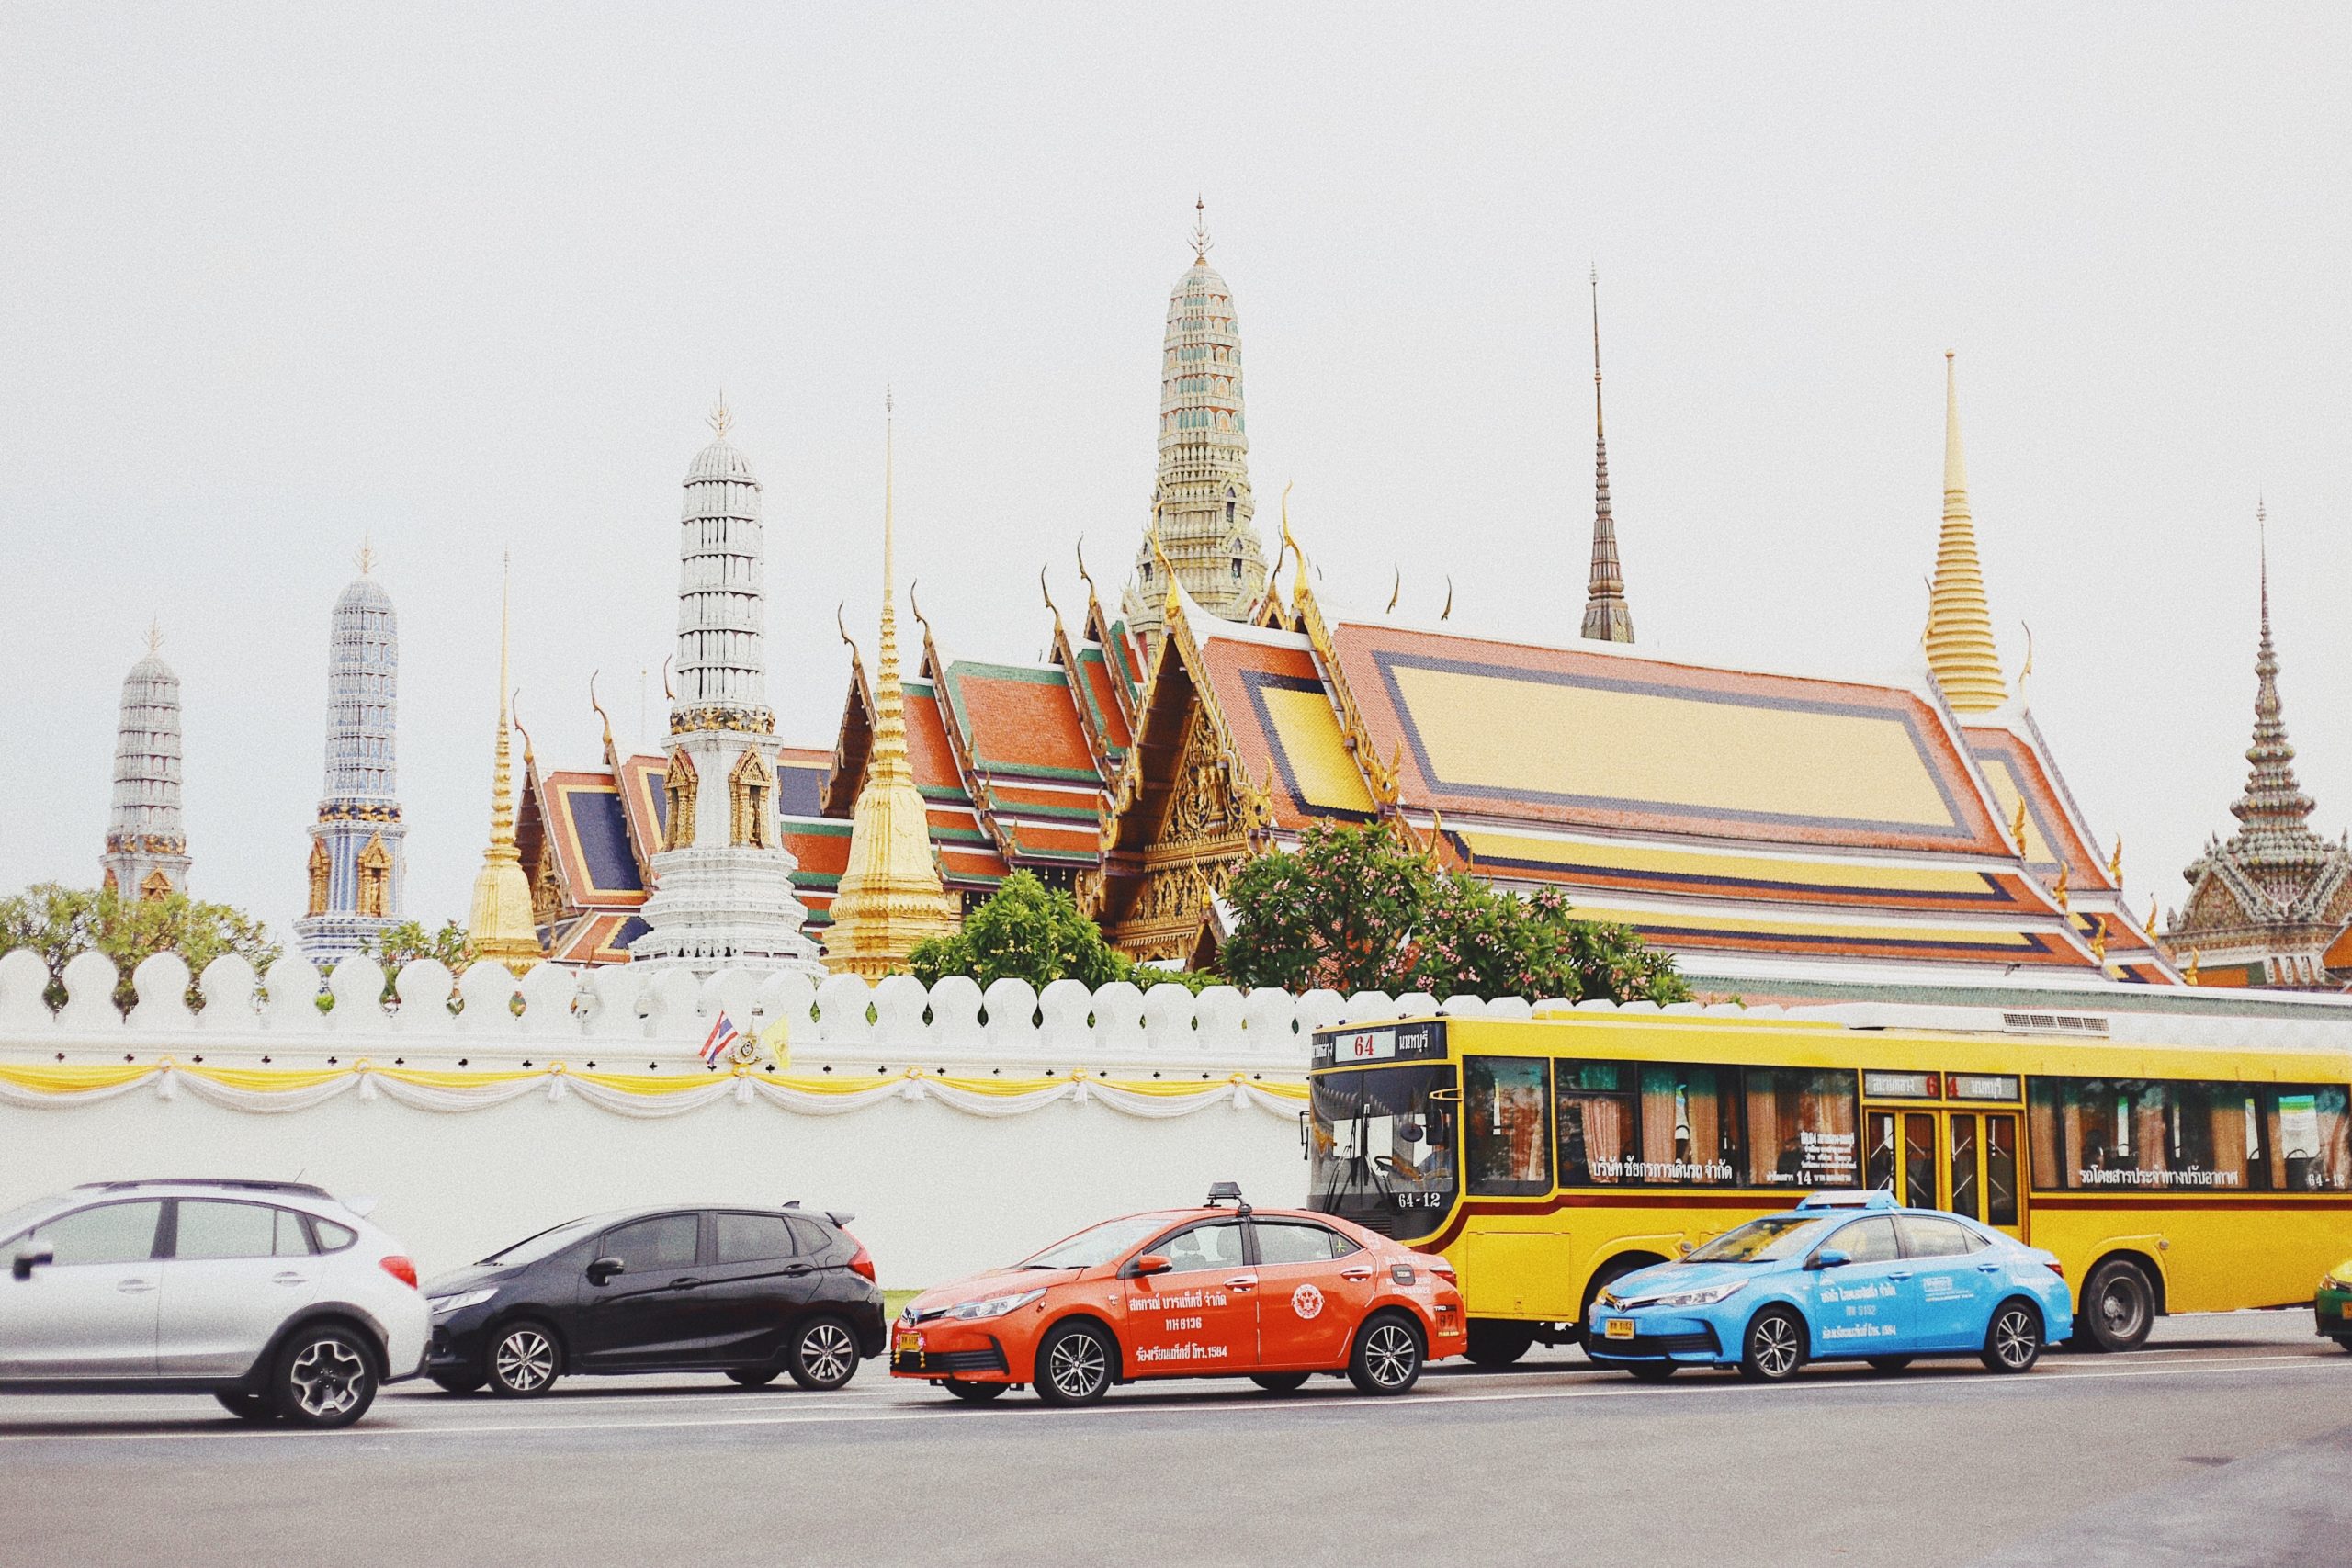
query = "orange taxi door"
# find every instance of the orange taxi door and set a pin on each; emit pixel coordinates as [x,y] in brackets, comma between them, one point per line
[1313,1287]
[1200,1319]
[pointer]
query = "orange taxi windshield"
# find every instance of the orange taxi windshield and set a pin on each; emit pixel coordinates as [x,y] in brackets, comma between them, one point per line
[1097,1246]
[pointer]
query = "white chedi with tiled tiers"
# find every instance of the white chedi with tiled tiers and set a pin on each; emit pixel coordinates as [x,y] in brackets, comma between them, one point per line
[146,847]
[723,892]
[358,859]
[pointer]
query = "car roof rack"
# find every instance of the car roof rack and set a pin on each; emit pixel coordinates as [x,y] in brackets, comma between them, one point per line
[235,1183]
[1876,1197]
[1227,1192]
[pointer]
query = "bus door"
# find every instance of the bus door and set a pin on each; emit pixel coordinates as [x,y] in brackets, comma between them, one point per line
[1933,1153]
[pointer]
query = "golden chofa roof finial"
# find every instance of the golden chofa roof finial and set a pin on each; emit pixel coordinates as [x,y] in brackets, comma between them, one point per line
[1960,623]
[722,422]
[1200,240]
[1167,566]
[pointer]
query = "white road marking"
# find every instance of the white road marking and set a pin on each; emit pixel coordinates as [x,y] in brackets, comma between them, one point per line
[1886,1386]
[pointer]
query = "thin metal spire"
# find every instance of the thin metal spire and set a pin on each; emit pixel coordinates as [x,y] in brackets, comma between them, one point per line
[1607,616]
[1202,244]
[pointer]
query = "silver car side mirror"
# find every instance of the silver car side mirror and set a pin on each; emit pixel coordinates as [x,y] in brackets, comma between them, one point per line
[31,1255]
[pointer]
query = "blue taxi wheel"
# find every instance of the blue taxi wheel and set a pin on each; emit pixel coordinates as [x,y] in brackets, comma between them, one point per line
[2013,1341]
[1774,1347]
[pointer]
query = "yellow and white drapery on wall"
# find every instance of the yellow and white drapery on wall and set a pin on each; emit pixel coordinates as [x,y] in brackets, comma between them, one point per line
[643,1095]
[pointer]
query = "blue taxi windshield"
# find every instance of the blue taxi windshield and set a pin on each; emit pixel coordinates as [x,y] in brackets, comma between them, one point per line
[1768,1240]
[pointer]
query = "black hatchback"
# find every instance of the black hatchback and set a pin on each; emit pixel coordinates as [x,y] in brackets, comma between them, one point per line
[749,1293]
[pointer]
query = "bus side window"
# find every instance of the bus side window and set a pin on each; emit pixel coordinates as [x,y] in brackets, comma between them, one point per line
[2123,1134]
[1507,1117]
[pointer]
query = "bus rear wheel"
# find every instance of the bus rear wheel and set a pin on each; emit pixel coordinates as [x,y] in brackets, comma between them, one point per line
[1495,1343]
[2118,1307]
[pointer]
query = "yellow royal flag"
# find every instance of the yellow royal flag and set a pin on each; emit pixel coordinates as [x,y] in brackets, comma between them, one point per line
[775,1039]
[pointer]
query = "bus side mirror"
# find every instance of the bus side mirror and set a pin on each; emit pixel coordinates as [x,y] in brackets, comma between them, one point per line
[1410,1133]
[1829,1257]
[1305,1135]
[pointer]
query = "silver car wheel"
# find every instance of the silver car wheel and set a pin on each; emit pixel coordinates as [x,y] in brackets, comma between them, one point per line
[326,1378]
[2014,1340]
[525,1360]
[1078,1366]
[1776,1346]
[1390,1354]
[827,1353]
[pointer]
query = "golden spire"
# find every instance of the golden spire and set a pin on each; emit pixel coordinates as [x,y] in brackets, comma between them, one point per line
[500,925]
[890,895]
[1960,623]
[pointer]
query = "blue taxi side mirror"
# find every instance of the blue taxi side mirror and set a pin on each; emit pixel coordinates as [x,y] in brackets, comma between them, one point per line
[1829,1257]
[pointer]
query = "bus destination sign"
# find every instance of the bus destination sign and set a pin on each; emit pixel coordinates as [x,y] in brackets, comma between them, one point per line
[1375,1043]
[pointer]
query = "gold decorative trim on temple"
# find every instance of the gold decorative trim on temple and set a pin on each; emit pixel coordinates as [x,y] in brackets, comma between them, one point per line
[748,721]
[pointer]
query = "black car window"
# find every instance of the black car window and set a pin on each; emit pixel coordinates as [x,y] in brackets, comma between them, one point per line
[212,1229]
[1924,1236]
[647,1247]
[1216,1245]
[1866,1241]
[752,1238]
[111,1232]
[1297,1241]
[813,1237]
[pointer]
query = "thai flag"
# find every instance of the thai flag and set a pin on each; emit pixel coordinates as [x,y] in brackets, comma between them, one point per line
[722,1040]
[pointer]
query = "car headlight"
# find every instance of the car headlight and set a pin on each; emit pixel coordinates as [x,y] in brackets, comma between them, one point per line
[1701,1298]
[992,1306]
[443,1306]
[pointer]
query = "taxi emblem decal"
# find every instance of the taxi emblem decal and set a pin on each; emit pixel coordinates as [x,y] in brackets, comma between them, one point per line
[1307,1300]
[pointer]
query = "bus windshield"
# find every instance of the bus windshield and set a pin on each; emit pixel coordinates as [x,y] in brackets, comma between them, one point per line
[1382,1148]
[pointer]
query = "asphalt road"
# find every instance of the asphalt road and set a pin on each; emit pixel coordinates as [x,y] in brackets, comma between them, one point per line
[2228,1441]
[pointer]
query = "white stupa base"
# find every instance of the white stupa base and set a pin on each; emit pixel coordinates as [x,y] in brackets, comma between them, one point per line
[326,940]
[724,908]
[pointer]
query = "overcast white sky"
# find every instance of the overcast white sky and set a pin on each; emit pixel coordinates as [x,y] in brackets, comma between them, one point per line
[467,278]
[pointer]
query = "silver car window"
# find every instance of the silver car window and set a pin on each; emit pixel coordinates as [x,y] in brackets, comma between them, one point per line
[109,1232]
[210,1228]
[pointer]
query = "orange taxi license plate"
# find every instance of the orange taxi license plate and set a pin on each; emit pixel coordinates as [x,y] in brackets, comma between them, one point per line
[909,1344]
[1618,1328]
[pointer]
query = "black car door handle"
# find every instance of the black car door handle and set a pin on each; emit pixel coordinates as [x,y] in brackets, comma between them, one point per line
[683,1281]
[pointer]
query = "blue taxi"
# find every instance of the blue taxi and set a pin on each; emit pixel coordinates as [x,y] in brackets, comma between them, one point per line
[1843,1276]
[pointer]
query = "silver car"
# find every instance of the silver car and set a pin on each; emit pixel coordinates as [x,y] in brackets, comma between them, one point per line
[273,1297]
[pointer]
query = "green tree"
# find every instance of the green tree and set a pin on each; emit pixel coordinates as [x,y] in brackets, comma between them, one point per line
[57,922]
[1354,908]
[405,941]
[1026,931]
[1338,913]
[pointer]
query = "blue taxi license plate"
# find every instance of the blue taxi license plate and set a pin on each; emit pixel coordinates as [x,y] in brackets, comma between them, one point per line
[1618,1328]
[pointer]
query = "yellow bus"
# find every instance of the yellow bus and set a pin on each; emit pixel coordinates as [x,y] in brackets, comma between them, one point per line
[1546,1156]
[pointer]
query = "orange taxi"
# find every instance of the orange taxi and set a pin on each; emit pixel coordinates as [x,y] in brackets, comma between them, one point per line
[1274,1295]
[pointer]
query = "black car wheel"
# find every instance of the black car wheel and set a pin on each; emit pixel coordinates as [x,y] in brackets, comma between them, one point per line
[523,1361]
[2118,1307]
[1651,1371]
[1280,1382]
[754,1377]
[1387,1358]
[1775,1346]
[456,1382]
[325,1377]
[824,1354]
[1888,1363]
[2013,1341]
[975,1392]
[253,1407]
[1076,1364]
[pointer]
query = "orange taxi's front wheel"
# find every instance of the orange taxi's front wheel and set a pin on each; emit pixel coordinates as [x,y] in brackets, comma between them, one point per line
[1076,1364]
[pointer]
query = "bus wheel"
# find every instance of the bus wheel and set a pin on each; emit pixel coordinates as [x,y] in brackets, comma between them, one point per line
[1494,1343]
[1774,1347]
[2117,1307]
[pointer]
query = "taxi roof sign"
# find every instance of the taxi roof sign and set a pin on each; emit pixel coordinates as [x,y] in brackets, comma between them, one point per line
[1849,1200]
